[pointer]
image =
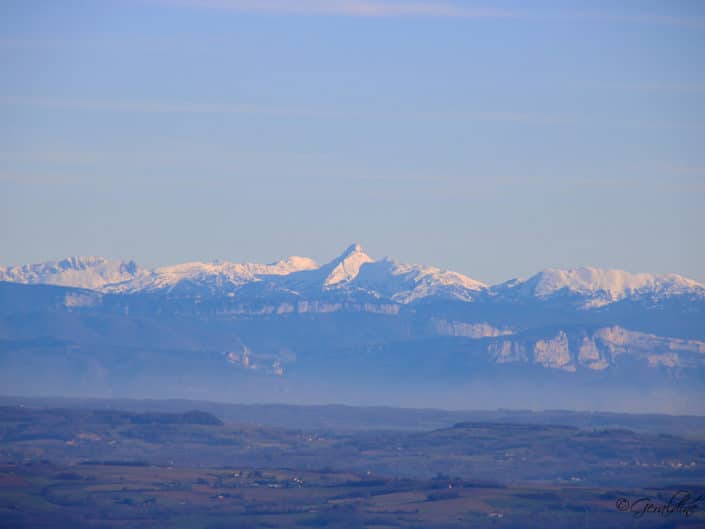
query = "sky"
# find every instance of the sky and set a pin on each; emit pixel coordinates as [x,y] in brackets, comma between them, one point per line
[493,138]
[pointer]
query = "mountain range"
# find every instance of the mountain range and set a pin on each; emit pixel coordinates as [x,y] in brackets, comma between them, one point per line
[353,272]
[370,328]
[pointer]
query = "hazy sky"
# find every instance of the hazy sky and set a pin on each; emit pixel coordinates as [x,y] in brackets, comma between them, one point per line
[493,138]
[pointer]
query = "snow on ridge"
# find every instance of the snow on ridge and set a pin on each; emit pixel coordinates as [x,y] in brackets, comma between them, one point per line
[355,272]
[81,272]
[215,274]
[440,277]
[604,286]
[352,271]
[405,283]
[291,264]
[102,274]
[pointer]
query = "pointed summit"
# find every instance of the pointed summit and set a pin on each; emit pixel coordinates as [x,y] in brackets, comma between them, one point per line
[353,248]
[346,266]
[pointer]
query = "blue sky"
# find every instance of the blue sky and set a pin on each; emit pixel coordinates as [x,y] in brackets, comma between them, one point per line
[493,138]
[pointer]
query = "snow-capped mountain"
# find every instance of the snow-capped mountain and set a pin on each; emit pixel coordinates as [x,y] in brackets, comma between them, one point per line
[212,278]
[345,268]
[355,272]
[82,272]
[594,287]
[405,283]
[336,274]
[353,275]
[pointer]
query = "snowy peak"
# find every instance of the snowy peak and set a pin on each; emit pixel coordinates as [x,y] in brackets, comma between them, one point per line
[600,287]
[346,267]
[405,283]
[352,249]
[291,264]
[83,272]
[355,273]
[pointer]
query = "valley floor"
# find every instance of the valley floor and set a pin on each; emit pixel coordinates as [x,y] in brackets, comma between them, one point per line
[105,468]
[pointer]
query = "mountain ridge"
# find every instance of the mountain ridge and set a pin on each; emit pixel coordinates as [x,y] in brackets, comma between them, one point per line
[353,272]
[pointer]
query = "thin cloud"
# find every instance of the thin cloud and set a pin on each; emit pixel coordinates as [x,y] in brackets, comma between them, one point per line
[391,8]
[166,107]
[351,8]
[160,106]
[530,118]
[644,18]
[34,177]
[175,107]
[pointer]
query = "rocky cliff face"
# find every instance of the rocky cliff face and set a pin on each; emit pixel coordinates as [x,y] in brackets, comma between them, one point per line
[599,349]
[469,330]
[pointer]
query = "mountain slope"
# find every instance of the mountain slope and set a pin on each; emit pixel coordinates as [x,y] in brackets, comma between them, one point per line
[82,272]
[404,283]
[212,278]
[594,287]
